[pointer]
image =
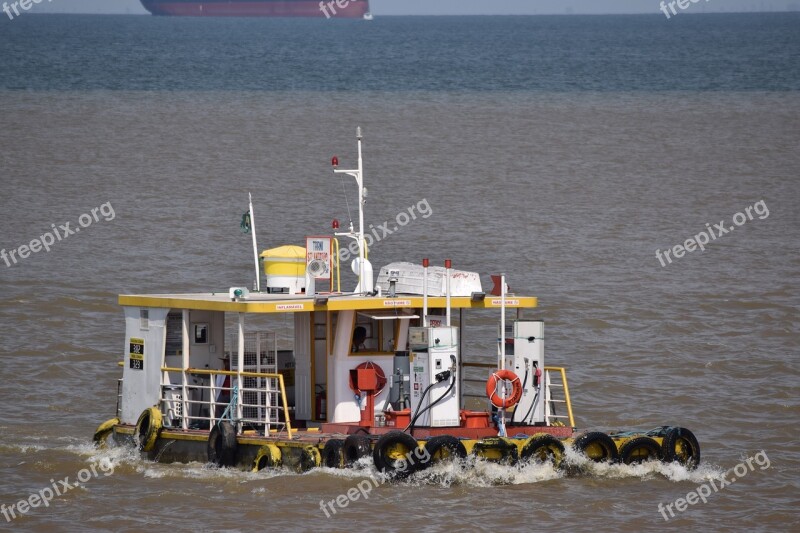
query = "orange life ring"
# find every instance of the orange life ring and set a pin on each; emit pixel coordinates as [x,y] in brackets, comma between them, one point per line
[494,396]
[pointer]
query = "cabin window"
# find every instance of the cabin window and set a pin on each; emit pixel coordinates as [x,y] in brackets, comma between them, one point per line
[373,337]
[174,340]
[144,319]
[200,333]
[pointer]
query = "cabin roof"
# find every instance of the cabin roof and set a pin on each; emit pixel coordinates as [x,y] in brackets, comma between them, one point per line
[283,303]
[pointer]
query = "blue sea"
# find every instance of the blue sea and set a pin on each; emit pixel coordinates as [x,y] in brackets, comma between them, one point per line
[570,152]
[730,52]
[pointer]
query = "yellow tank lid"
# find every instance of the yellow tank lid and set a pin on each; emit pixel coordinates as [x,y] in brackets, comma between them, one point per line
[288,251]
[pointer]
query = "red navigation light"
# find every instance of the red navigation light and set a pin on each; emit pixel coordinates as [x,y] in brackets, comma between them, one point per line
[335,224]
[447,263]
[425,262]
[335,161]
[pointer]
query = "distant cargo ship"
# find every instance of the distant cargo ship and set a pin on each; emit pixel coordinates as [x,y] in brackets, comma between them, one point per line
[260,8]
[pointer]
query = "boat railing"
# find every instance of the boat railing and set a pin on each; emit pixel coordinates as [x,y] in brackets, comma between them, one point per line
[259,399]
[555,382]
[470,384]
[562,397]
[119,398]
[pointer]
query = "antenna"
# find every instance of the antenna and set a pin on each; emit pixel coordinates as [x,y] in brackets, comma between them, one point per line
[255,246]
[358,174]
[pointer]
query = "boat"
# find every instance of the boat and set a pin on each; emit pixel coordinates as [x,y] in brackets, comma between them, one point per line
[260,8]
[377,375]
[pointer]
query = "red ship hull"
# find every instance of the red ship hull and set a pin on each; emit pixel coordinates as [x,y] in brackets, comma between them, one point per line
[259,8]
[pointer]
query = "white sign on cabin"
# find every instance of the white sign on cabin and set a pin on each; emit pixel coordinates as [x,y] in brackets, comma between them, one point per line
[319,249]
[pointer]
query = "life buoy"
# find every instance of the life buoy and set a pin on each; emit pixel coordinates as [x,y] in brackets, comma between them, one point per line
[147,429]
[222,444]
[494,396]
[103,431]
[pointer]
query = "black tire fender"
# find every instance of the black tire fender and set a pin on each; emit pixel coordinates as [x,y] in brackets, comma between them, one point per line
[268,456]
[443,448]
[681,445]
[639,450]
[508,451]
[542,449]
[354,448]
[148,427]
[333,454]
[392,454]
[597,446]
[222,444]
[309,458]
[103,431]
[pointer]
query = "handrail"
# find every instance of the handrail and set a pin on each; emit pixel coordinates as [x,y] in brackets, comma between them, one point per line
[265,375]
[563,372]
[560,369]
[480,365]
[336,265]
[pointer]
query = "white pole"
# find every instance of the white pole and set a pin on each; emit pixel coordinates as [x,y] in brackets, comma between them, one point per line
[239,367]
[502,321]
[361,200]
[502,412]
[447,265]
[255,246]
[425,292]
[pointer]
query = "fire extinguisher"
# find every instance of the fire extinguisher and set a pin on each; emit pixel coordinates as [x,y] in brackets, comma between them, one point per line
[321,404]
[537,374]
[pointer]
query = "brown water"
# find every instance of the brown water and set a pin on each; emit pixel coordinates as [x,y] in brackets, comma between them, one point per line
[569,194]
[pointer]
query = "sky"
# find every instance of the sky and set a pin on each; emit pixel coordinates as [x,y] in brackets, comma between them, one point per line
[464,7]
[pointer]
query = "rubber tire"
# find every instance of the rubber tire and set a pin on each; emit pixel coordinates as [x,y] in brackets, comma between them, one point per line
[384,455]
[597,438]
[634,445]
[222,444]
[333,454]
[148,428]
[683,438]
[268,456]
[103,431]
[355,447]
[551,447]
[443,448]
[310,458]
[508,450]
